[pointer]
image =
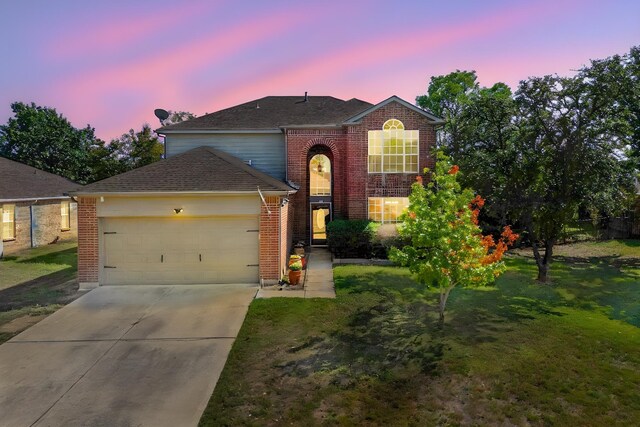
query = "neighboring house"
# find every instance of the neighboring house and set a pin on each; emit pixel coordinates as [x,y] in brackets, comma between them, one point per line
[35,207]
[241,185]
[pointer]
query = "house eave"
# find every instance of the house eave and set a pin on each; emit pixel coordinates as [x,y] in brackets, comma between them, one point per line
[181,193]
[358,117]
[28,199]
[218,131]
[311,126]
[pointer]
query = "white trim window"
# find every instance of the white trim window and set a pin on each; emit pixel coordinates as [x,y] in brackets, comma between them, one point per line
[8,222]
[393,149]
[387,209]
[320,176]
[65,222]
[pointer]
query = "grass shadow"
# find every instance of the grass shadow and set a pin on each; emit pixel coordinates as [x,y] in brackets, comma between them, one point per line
[64,257]
[54,288]
[630,243]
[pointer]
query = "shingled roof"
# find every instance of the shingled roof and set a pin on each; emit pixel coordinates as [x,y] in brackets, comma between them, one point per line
[203,169]
[274,112]
[19,182]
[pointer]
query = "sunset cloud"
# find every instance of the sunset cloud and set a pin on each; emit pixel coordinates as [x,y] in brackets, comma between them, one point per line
[111,64]
[123,31]
[383,49]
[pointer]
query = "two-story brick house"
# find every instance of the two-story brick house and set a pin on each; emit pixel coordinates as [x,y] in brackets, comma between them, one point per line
[240,185]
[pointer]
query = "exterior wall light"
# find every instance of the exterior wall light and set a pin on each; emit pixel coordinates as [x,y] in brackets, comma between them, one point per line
[177,210]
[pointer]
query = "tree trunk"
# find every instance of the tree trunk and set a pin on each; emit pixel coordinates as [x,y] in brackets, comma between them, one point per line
[444,295]
[543,262]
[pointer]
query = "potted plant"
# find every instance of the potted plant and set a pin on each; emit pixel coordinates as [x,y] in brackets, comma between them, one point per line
[296,258]
[295,271]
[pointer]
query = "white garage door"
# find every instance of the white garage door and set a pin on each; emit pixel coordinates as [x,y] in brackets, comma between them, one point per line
[179,250]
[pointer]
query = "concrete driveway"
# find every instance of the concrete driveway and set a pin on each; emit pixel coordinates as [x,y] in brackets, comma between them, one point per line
[123,356]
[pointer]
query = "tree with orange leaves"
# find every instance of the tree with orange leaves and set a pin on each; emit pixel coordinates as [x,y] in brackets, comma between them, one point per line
[447,246]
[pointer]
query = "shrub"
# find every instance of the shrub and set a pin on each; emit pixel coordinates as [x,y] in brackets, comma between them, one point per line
[386,237]
[351,238]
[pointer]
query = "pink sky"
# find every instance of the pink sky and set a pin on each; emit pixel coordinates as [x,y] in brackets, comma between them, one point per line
[110,64]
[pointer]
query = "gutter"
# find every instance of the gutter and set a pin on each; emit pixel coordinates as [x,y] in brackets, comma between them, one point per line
[222,131]
[311,126]
[34,198]
[183,193]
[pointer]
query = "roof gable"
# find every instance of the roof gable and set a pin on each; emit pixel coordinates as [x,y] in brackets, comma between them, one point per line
[273,113]
[202,169]
[355,119]
[19,181]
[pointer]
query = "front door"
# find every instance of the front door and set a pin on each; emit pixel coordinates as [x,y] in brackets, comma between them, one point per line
[320,216]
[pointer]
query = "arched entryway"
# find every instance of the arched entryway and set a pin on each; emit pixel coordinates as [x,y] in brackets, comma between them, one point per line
[320,194]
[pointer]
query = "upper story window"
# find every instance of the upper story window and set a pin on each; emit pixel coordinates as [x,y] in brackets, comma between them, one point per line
[65,223]
[393,149]
[320,176]
[8,222]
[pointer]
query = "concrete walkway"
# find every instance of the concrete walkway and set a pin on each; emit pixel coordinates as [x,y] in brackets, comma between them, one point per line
[123,356]
[318,279]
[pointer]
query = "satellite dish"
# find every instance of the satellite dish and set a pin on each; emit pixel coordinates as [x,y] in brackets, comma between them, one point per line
[161,114]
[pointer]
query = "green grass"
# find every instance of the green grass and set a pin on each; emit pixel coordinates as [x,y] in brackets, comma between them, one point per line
[36,282]
[517,353]
[31,264]
[36,310]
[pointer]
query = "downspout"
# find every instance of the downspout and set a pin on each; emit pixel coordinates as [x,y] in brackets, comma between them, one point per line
[280,241]
[31,228]
[164,145]
[286,155]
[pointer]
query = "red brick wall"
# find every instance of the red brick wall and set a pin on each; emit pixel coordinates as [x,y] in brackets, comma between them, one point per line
[286,238]
[364,185]
[299,142]
[88,247]
[271,235]
[352,184]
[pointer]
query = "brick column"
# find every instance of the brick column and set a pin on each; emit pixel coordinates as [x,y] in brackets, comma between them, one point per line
[88,246]
[270,241]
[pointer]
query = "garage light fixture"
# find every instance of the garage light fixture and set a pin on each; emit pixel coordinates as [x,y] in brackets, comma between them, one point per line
[177,210]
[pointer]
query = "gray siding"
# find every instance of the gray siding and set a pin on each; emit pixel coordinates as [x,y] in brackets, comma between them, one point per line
[266,151]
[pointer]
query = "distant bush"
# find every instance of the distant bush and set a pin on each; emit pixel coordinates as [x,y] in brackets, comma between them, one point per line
[351,238]
[386,237]
[362,238]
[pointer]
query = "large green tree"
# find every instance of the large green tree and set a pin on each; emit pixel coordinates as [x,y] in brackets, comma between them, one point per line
[43,138]
[138,148]
[567,156]
[553,148]
[105,160]
[448,96]
[177,116]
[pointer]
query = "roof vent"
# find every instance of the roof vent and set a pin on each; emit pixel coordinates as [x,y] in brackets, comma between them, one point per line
[257,106]
[306,99]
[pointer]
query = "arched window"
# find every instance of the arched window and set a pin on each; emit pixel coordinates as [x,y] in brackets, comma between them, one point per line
[393,149]
[393,124]
[319,176]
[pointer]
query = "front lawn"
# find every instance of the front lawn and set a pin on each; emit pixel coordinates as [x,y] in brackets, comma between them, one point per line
[59,259]
[519,353]
[34,283]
